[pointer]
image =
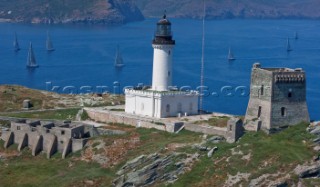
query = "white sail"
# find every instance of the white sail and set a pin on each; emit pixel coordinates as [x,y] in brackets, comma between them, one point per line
[16,43]
[230,55]
[31,61]
[49,44]
[118,59]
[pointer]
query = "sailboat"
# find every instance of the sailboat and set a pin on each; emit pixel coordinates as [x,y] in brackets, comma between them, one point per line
[118,59]
[16,46]
[31,62]
[288,45]
[49,44]
[230,55]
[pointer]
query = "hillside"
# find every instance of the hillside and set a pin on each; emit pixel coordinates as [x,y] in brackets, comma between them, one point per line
[11,98]
[228,9]
[69,11]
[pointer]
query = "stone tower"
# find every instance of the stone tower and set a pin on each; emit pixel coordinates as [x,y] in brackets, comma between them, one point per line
[277,98]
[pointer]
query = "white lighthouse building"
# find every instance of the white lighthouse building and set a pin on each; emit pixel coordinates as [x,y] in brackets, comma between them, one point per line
[161,100]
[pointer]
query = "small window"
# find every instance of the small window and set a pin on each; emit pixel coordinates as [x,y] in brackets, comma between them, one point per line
[259,111]
[262,90]
[230,128]
[47,131]
[169,73]
[18,128]
[62,132]
[61,142]
[290,94]
[168,108]
[283,111]
[169,52]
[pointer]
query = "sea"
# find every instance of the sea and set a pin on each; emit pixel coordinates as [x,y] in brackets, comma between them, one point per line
[83,61]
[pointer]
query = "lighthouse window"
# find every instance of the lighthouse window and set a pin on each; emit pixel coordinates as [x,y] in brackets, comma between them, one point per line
[168,108]
[262,90]
[169,52]
[169,73]
[290,93]
[283,111]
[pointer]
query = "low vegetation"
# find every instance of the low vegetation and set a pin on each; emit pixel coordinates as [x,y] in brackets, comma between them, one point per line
[255,154]
[12,97]
[62,114]
[216,121]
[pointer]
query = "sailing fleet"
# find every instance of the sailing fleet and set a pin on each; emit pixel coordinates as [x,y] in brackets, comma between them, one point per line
[118,61]
[231,56]
[31,60]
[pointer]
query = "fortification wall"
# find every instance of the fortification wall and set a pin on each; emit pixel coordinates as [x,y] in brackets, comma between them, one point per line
[114,117]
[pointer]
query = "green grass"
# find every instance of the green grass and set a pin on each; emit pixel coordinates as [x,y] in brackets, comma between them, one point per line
[62,114]
[217,121]
[5,123]
[84,116]
[39,171]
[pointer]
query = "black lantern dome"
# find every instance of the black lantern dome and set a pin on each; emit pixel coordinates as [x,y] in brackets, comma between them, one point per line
[163,33]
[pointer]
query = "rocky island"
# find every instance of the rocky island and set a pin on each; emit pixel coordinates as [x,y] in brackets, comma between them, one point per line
[230,9]
[68,11]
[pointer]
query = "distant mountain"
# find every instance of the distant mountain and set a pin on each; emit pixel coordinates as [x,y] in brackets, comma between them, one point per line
[221,9]
[69,11]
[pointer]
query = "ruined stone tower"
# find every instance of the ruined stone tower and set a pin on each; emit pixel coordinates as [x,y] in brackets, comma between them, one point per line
[277,98]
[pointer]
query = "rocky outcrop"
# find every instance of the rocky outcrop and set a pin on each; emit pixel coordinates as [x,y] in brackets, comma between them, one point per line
[68,11]
[148,169]
[308,170]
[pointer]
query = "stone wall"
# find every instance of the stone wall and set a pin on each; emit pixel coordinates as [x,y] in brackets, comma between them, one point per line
[231,133]
[260,97]
[118,117]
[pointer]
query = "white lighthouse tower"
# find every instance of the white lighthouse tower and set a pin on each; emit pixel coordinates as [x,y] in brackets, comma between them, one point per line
[162,56]
[160,100]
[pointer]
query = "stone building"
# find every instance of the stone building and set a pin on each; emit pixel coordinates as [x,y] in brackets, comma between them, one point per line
[48,137]
[277,98]
[160,100]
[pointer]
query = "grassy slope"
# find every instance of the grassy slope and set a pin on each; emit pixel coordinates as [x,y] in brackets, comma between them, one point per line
[281,151]
[26,170]
[64,114]
[12,96]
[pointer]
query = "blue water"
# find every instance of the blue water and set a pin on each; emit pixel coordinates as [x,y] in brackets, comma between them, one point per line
[84,56]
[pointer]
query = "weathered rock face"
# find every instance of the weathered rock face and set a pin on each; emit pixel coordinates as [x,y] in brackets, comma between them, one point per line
[68,11]
[148,169]
[307,171]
